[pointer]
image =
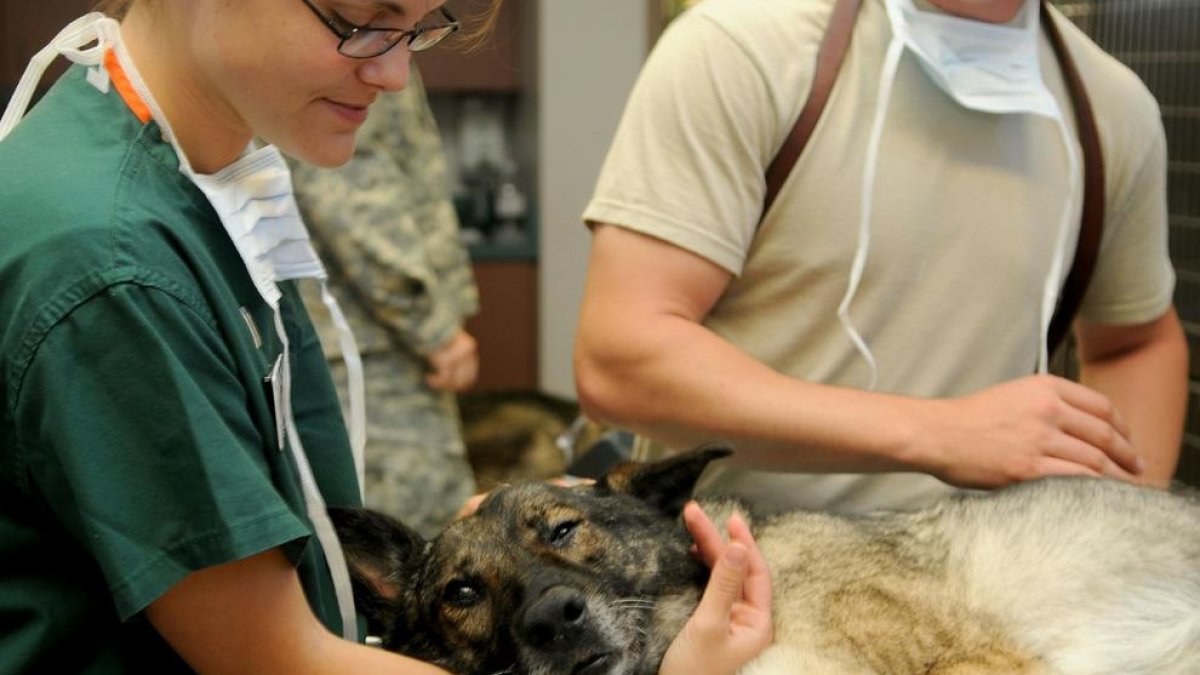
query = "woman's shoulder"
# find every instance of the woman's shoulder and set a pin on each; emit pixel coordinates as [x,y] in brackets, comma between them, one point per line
[78,160]
[92,198]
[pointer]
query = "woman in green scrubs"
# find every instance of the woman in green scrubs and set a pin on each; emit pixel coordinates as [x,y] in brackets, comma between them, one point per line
[170,434]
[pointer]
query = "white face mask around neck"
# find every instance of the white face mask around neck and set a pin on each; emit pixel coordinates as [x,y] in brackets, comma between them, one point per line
[983,67]
[986,67]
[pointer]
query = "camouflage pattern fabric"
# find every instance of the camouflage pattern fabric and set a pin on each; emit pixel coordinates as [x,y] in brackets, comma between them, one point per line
[387,231]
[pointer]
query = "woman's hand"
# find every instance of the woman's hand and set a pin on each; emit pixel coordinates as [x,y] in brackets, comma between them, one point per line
[732,623]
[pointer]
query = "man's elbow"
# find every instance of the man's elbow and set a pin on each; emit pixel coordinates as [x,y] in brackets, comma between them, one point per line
[604,395]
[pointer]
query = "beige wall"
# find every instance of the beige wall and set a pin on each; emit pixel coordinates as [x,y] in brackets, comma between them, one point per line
[589,53]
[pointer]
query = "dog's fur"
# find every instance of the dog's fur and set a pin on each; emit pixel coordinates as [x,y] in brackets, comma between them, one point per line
[1053,576]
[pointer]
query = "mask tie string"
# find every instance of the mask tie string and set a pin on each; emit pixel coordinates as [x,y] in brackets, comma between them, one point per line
[888,77]
[355,383]
[1054,277]
[314,503]
[93,27]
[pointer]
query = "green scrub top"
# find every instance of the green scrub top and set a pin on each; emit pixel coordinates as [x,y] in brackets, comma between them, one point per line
[138,441]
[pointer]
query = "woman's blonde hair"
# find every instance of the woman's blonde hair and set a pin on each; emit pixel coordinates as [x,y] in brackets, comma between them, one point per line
[113,8]
[481,18]
[474,33]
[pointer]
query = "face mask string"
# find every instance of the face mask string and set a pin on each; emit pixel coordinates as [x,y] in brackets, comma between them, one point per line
[355,382]
[269,235]
[1054,278]
[69,42]
[314,502]
[264,224]
[1030,96]
[887,78]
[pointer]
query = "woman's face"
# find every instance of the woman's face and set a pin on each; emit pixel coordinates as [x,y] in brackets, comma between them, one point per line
[272,66]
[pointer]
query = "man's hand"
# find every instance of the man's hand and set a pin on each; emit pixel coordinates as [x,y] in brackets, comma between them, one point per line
[454,365]
[732,623]
[1036,426]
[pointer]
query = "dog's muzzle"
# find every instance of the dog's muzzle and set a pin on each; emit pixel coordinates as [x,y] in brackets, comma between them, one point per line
[557,626]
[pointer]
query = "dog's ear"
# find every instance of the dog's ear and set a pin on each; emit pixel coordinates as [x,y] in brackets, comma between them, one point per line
[666,484]
[380,552]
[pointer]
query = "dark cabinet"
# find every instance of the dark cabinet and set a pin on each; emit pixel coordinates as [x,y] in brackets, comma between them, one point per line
[506,326]
[494,65]
[26,27]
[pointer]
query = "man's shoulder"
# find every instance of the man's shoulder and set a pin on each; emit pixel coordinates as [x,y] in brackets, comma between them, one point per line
[769,43]
[766,22]
[761,13]
[1115,90]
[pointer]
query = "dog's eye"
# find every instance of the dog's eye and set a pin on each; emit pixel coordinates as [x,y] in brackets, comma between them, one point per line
[561,534]
[460,593]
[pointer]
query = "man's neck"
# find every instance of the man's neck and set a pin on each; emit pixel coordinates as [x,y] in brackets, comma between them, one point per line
[988,11]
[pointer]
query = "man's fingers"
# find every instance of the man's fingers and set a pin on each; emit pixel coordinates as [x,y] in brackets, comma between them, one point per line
[470,374]
[1085,455]
[1099,432]
[1053,466]
[448,377]
[1094,403]
[452,370]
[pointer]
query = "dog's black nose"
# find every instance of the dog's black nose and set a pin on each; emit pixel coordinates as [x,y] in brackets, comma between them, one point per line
[558,615]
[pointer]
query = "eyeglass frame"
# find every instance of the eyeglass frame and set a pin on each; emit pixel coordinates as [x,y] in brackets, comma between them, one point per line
[411,35]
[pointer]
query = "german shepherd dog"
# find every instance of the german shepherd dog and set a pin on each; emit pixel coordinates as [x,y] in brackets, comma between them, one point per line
[1066,575]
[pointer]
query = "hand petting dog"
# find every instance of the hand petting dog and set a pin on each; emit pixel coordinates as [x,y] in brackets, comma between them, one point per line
[732,624]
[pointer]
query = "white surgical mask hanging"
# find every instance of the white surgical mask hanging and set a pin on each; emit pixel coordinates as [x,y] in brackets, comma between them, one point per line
[984,67]
[254,201]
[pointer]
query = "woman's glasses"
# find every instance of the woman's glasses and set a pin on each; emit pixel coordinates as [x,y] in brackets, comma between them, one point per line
[364,42]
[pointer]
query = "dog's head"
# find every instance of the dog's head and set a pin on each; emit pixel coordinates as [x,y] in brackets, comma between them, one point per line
[544,580]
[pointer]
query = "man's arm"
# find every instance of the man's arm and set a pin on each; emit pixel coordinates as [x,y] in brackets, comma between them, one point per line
[644,361]
[251,617]
[1143,370]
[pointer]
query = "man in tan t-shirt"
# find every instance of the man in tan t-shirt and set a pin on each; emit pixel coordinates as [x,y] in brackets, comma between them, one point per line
[871,342]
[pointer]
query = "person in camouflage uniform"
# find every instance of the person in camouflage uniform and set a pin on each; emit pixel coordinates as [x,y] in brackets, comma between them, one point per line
[386,229]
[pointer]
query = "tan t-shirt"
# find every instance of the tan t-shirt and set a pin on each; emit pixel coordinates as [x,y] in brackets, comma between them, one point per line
[966,207]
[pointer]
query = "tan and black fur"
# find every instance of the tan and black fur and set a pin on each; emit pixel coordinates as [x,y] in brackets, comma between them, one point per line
[1055,576]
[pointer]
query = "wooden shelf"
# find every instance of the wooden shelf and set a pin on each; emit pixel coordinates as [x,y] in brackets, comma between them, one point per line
[506,326]
[26,27]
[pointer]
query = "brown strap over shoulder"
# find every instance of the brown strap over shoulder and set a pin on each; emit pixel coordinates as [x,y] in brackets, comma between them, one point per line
[830,56]
[1092,225]
[832,52]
